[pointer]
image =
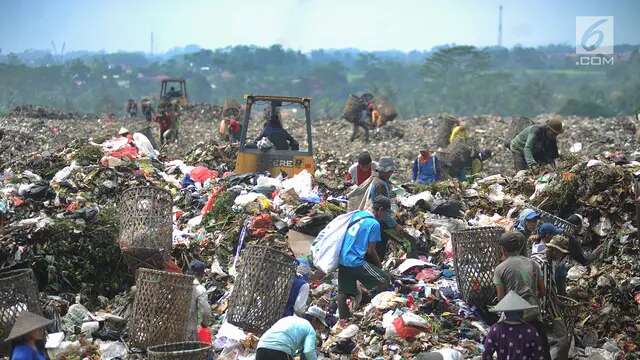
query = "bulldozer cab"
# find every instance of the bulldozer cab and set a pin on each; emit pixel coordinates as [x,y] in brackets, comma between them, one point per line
[272,145]
[174,92]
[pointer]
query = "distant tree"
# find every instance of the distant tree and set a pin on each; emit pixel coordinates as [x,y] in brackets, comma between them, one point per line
[13,59]
[449,73]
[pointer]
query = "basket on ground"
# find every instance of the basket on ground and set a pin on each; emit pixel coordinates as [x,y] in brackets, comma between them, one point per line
[18,293]
[145,218]
[160,309]
[570,309]
[188,350]
[261,288]
[568,229]
[476,255]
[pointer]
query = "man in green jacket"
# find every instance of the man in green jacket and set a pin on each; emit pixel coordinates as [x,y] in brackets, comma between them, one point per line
[536,145]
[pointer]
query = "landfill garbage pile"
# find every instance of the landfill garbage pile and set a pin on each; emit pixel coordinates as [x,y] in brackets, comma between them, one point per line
[41,112]
[58,216]
[402,138]
[202,112]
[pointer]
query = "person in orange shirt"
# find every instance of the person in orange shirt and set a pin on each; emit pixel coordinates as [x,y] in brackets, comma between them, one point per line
[376,117]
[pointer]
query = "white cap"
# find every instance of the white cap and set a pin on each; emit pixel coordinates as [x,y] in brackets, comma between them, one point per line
[318,313]
[123,130]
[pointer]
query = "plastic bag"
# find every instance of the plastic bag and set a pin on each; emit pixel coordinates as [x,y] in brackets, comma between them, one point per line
[204,335]
[201,174]
[127,153]
[359,197]
[64,173]
[403,330]
[411,201]
[302,183]
[326,247]
[112,350]
[144,145]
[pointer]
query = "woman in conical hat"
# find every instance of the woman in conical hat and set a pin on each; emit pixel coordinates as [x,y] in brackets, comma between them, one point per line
[27,336]
[512,338]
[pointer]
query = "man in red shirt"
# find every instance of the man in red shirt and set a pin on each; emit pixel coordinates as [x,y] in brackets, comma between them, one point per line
[360,171]
[235,130]
[165,120]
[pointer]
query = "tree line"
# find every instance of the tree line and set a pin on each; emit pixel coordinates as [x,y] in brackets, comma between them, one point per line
[456,79]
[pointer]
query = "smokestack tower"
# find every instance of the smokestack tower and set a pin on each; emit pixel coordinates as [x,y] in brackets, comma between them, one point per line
[500,26]
[151,45]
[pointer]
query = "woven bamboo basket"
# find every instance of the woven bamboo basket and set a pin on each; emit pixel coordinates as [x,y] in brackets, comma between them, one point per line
[188,350]
[160,309]
[137,258]
[261,288]
[18,293]
[444,125]
[570,309]
[230,107]
[476,255]
[568,229]
[352,108]
[386,108]
[145,218]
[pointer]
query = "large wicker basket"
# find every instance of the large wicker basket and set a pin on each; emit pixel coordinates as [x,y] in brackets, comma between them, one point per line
[145,218]
[386,108]
[137,258]
[352,108]
[188,350]
[18,293]
[476,255]
[568,229]
[261,288]
[160,309]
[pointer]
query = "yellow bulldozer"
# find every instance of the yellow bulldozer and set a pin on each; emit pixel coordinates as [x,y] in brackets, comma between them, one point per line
[254,158]
[173,94]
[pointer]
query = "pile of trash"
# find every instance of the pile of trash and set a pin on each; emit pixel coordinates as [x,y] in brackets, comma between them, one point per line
[58,216]
[41,112]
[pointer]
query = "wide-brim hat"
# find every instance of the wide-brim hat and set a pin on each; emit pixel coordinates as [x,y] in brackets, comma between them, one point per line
[512,302]
[559,243]
[25,323]
[386,164]
[318,313]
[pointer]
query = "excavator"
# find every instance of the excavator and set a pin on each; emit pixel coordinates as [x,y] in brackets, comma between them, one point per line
[252,158]
[173,98]
[173,92]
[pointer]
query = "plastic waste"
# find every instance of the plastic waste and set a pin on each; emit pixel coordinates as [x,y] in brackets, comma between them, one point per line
[411,201]
[144,145]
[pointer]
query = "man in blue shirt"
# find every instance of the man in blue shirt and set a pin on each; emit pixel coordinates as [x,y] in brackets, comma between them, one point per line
[359,260]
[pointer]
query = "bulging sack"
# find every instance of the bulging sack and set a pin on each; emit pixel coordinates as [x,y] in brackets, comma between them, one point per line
[326,247]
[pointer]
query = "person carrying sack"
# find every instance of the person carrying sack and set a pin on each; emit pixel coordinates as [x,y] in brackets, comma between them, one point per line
[359,260]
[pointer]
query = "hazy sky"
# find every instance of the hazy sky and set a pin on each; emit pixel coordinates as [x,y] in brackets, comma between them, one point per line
[301,24]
